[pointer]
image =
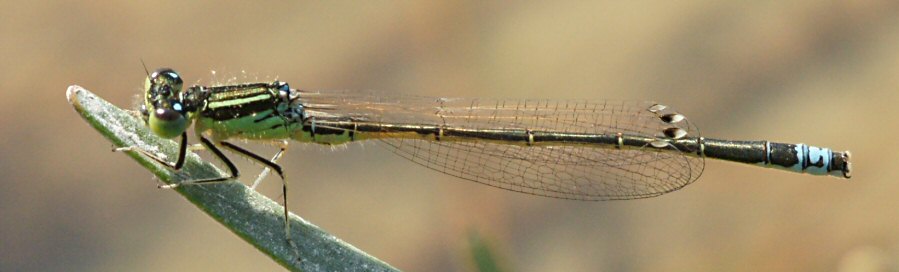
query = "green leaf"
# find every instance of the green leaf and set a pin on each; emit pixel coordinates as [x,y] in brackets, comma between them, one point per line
[252,216]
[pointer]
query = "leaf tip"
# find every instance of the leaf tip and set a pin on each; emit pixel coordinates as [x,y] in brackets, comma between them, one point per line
[72,91]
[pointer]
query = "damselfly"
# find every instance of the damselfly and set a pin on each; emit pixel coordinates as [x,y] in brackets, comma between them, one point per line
[583,150]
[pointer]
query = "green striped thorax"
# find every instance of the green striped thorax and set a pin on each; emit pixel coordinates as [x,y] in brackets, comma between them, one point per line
[165,109]
[254,110]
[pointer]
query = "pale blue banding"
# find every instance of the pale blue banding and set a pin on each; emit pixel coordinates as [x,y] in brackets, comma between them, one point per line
[798,158]
[809,159]
[818,160]
[801,152]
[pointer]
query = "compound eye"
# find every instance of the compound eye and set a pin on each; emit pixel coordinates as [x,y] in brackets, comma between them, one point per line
[166,115]
[167,74]
[167,123]
[168,81]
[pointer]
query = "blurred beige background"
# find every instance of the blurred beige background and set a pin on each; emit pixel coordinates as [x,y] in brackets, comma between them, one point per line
[819,72]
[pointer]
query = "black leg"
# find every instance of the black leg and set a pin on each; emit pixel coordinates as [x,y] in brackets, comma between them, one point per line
[182,153]
[235,173]
[221,156]
[265,171]
[253,156]
[277,168]
[218,154]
